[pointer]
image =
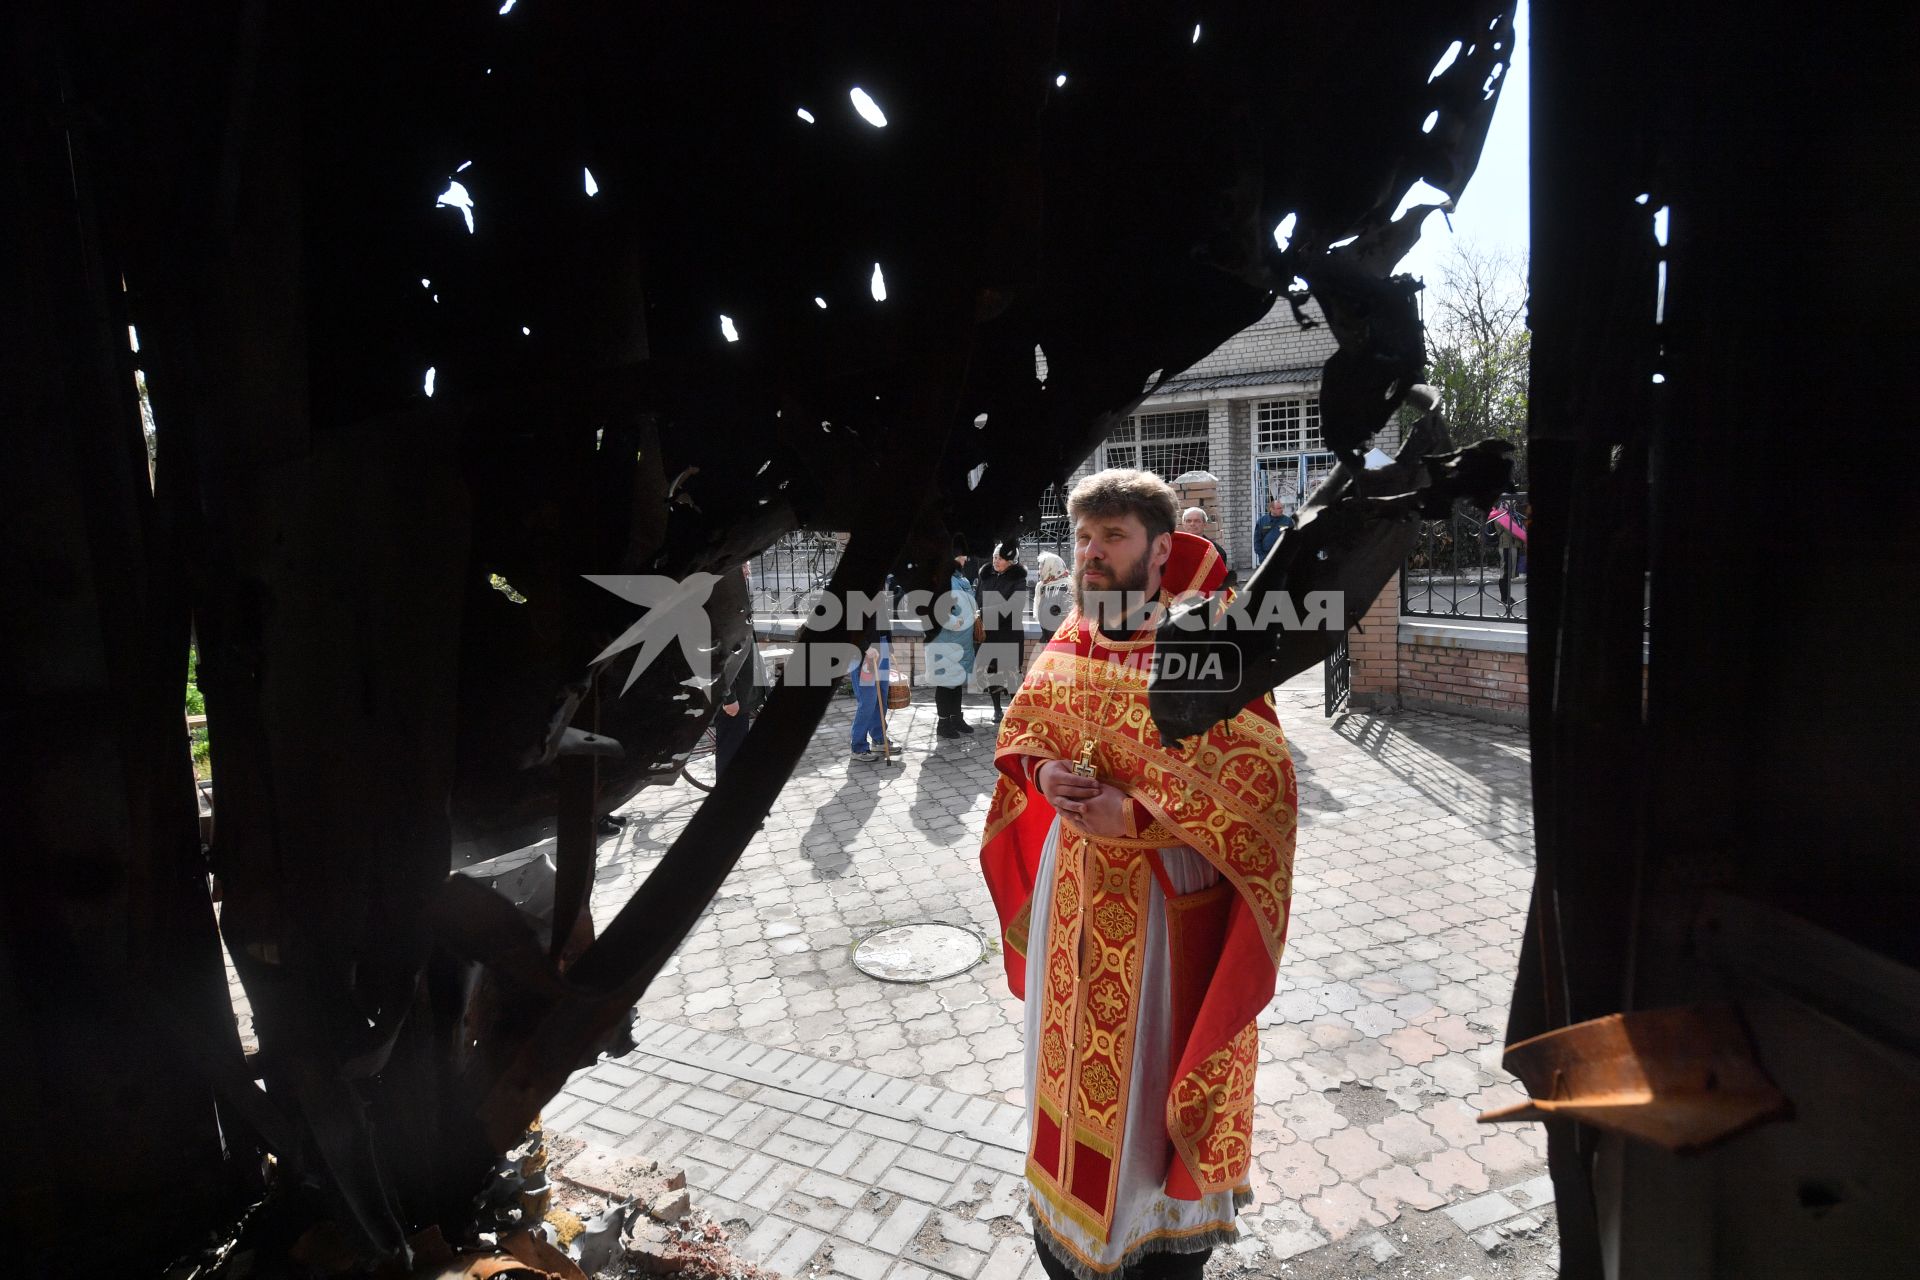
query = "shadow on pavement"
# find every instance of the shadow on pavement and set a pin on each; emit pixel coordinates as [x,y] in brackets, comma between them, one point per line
[824,844]
[1478,772]
[1313,796]
[949,782]
[651,832]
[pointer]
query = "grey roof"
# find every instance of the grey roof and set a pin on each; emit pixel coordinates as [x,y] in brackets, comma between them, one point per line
[1306,373]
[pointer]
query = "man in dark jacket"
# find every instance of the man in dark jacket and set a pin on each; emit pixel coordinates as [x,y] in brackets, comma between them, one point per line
[1266,530]
[1003,599]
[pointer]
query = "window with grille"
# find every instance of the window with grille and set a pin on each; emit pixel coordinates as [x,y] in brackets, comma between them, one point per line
[1168,444]
[1287,426]
[1289,452]
[1316,466]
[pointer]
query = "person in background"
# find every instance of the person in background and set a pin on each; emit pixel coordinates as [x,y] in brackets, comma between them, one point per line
[950,653]
[1002,589]
[1509,558]
[1266,530]
[1194,520]
[743,695]
[1055,598]
[968,566]
[870,685]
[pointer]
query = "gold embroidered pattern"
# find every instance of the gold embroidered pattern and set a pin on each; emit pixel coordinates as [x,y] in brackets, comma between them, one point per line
[1210,1113]
[1086,1090]
[1053,1050]
[1016,931]
[1097,1079]
[1116,920]
[1108,1000]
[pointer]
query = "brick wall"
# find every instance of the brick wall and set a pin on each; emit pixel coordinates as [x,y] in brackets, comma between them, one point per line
[1477,682]
[1467,670]
[1230,495]
[1235,469]
[1387,438]
[1373,650]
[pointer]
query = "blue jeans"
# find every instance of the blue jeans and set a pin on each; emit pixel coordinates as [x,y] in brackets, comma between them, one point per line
[866,705]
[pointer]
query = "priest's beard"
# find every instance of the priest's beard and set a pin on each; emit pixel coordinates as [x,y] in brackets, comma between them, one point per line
[1117,599]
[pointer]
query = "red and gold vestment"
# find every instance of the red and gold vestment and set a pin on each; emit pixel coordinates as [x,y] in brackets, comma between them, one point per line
[1229,795]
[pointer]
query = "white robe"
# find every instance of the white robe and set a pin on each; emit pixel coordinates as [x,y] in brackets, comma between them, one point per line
[1146,1219]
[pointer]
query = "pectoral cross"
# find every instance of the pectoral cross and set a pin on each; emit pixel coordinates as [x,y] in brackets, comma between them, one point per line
[1084,765]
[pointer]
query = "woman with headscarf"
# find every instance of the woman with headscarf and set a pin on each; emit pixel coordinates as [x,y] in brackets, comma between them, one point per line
[1002,588]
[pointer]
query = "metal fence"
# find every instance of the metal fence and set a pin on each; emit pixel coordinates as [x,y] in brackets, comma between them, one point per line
[1472,565]
[1055,533]
[786,577]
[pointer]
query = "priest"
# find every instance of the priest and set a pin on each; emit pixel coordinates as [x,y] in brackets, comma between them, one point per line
[1143,896]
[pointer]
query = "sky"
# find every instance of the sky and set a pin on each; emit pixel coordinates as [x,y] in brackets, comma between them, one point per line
[1492,211]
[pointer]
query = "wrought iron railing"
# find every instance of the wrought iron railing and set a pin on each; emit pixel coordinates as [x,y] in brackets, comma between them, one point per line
[786,577]
[1471,566]
[1338,669]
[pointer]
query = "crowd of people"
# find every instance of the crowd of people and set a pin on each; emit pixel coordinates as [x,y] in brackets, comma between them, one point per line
[978,638]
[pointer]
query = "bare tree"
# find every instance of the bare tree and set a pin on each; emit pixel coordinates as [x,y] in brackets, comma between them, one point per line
[1477,334]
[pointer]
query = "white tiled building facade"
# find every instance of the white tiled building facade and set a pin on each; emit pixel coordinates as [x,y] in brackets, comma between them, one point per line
[1249,414]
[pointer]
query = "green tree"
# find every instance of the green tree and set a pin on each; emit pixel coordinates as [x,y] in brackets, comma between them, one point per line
[1479,344]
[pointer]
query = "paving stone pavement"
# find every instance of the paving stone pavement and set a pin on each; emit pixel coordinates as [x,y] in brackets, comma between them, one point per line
[1381,1044]
[819,1167]
[855,1128]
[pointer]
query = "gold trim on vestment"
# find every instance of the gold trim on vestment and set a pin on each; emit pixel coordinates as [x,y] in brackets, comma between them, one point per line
[1241,1192]
[1228,794]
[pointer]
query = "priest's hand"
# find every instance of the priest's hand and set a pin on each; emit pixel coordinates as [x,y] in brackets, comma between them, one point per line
[1097,808]
[1061,786]
[1105,815]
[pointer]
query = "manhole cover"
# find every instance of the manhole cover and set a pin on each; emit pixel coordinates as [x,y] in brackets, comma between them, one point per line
[918,952]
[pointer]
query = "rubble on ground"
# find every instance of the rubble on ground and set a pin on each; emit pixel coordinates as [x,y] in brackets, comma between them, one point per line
[639,1220]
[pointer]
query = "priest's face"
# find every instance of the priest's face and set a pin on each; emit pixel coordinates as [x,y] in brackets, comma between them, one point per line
[1116,566]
